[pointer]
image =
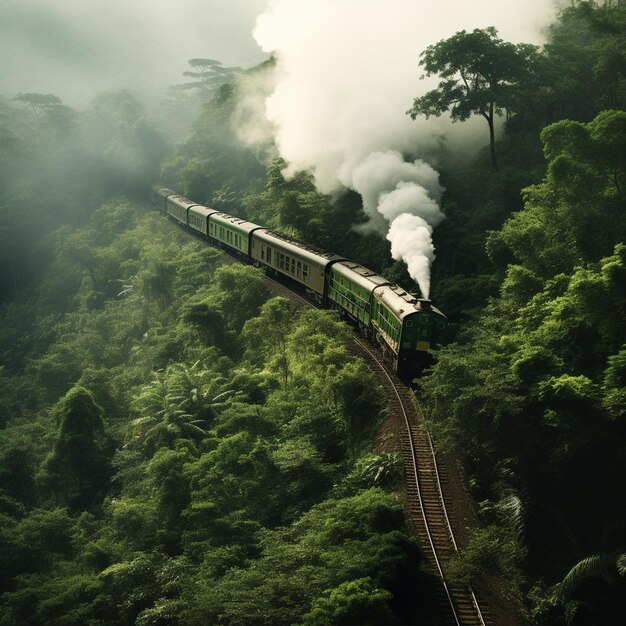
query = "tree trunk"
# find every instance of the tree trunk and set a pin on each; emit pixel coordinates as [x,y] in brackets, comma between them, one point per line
[492,139]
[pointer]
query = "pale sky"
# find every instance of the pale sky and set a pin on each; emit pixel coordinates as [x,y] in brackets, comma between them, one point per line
[77,48]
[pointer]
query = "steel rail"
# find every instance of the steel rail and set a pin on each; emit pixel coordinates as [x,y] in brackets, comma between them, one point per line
[445,511]
[417,480]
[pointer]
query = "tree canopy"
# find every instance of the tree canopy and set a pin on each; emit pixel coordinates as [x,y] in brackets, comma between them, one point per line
[482,75]
[208,75]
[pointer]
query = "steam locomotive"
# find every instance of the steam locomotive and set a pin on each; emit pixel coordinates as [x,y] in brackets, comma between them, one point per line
[408,329]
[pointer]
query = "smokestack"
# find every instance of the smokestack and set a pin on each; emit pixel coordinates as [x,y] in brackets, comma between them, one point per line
[424,304]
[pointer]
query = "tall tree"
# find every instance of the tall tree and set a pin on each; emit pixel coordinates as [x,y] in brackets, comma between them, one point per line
[481,76]
[78,467]
[208,74]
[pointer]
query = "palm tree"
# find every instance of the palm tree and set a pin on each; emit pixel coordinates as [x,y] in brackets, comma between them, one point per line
[593,590]
[179,403]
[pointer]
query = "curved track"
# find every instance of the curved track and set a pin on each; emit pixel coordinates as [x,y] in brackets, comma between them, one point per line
[426,507]
[425,503]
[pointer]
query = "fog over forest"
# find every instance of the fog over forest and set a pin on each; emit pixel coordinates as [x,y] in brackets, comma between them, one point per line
[76,49]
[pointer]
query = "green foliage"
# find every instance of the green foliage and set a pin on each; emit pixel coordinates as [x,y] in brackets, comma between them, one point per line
[535,382]
[593,590]
[576,213]
[334,544]
[373,470]
[202,446]
[352,602]
[81,158]
[586,52]
[210,458]
[491,551]
[211,162]
[77,469]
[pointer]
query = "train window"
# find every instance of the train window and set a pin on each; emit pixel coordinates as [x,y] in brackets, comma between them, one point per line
[305,272]
[298,269]
[281,262]
[262,252]
[293,266]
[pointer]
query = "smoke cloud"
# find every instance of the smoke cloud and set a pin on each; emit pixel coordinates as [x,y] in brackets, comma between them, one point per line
[347,71]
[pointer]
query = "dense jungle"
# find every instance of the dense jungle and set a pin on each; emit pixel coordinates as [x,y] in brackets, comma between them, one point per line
[178,445]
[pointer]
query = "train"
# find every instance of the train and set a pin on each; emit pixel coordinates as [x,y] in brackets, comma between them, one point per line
[407,328]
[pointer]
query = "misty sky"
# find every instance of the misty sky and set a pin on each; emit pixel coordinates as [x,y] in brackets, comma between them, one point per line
[77,48]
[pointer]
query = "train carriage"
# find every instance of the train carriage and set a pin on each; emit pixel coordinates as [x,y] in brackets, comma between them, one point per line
[350,288]
[299,261]
[198,218]
[177,207]
[159,196]
[232,232]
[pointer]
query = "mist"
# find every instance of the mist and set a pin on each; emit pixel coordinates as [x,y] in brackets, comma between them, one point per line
[76,49]
[346,73]
[347,70]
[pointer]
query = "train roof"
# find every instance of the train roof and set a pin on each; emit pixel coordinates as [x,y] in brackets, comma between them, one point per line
[403,303]
[181,201]
[163,191]
[202,210]
[359,274]
[294,246]
[237,222]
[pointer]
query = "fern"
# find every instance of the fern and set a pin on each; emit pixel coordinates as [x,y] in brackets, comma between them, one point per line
[596,566]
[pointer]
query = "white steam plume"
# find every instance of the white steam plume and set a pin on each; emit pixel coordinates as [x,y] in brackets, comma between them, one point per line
[347,70]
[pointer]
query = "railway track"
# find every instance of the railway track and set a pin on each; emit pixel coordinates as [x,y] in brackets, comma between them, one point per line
[424,495]
[425,503]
